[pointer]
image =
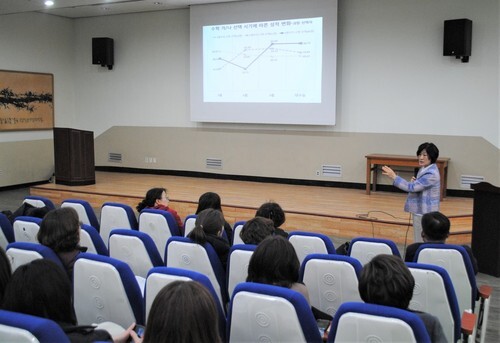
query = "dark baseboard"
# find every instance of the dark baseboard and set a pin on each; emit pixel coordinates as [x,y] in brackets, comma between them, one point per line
[23,185]
[351,185]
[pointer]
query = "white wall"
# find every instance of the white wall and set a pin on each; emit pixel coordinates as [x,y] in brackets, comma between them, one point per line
[392,77]
[395,89]
[45,44]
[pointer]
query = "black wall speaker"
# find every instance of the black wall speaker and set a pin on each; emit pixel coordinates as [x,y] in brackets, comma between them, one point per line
[102,51]
[458,38]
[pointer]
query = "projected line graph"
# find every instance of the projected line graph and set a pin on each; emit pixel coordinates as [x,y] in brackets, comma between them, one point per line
[263,62]
[249,51]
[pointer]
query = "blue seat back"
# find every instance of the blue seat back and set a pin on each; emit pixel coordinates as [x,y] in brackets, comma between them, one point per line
[39,201]
[113,287]
[365,248]
[115,215]
[331,280]
[182,252]
[259,312]
[24,252]
[136,249]
[13,324]
[6,231]
[362,322]
[434,294]
[26,229]
[306,243]
[456,261]
[237,265]
[86,213]
[90,238]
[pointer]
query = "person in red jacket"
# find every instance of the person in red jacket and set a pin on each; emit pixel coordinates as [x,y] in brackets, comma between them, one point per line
[157,198]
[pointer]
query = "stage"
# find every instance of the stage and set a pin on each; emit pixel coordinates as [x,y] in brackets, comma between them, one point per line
[337,212]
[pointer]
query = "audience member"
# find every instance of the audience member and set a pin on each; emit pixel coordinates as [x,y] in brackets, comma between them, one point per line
[157,198]
[435,229]
[5,272]
[60,231]
[386,280]
[208,228]
[40,288]
[256,229]
[212,200]
[274,212]
[26,209]
[275,262]
[182,312]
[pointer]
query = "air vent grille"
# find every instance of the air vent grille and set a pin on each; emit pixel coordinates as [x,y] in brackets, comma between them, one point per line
[331,170]
[214,163]
[467,180]
[115,157]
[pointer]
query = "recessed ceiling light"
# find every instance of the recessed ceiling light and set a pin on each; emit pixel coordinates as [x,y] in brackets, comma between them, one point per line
[49,3]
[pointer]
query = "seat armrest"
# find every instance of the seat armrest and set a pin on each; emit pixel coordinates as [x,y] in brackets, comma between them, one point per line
[485,291]
[468,323]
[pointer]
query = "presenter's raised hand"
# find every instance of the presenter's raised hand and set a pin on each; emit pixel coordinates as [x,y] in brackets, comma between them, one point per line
[388,172]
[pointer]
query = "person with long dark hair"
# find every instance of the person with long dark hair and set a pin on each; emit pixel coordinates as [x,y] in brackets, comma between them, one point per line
[182,312]
[5,272]
[157,198]
[40,288]
[275,262]
[208,229]
[60,231]
[212,200]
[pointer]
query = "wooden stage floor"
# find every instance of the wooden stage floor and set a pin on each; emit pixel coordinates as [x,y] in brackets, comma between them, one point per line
[336,212]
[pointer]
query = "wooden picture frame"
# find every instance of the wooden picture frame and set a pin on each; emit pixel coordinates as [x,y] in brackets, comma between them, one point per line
[26,101]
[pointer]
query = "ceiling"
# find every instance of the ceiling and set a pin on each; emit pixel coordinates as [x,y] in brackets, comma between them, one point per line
[94,8]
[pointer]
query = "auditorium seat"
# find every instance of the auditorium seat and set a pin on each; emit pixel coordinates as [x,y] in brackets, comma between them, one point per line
[39,201]
[159,225]
[331,280]
[116,216]
[182,252]
[456,261]
[6,231]
[26,229]
[24,328]
[189,223]
[363,322]
[20,253]
[306,243]
[105,289]
[90,238]
[136,249]
[85,212]
[236,232]
[365,248]
[267,313]
[237,265]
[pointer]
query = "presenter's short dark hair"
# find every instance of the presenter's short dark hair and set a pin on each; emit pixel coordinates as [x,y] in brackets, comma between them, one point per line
[436,226]
[386,280]
[431,149]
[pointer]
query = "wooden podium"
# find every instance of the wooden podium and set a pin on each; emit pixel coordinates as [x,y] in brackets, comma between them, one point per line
[486,228]
[74,157]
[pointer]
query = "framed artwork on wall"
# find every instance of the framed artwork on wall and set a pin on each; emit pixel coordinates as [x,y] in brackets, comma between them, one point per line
[26,101]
